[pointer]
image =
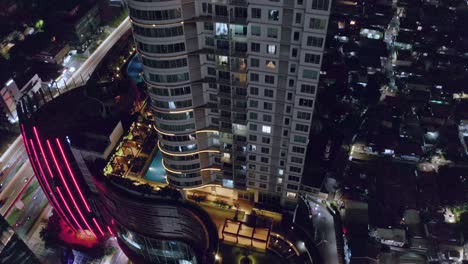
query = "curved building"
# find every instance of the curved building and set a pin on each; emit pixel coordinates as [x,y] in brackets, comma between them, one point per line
[69,140]
[160,34]
[232,86]
[159,227]
[62,134]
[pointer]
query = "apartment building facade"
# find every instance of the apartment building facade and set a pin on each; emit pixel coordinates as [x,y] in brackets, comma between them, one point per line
[232,85]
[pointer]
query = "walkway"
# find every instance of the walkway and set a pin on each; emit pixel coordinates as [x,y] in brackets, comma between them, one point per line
[324,231]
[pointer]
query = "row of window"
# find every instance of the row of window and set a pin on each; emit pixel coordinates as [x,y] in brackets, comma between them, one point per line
[158,32]
[162,49]
[263,150]
[265,117]
[306,102]
[307,88]
[303,115]
[176,116]
[171,104]
[273,14]
[187,148]
[318,23]
[155,14]
[313,41]
[270,48]
[312,58]
[181,158]
[183,175]
[256,30]
[262,159]
[183,184]
[180,128]
[310,74]
[266,92]
[266,105]
[164,64]
[265,129]
[265,140]
[181,138]
[269,64]
[320,4]
[184,167]
[300,139]
[255,77]
[169,78]
[170,92]
[297,160]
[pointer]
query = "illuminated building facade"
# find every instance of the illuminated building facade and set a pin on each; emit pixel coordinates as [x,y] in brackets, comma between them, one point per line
[159,228]
[232,85]
[70,138]
[62,136]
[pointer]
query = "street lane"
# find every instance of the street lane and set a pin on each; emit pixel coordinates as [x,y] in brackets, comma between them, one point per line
[7,155]
[12,167]
[88,67]
[324,231]
[14,162]
[31,212]
[12,190]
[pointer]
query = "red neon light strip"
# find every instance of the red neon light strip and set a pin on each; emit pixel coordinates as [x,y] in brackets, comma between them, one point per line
[73,175]
[68,189]
[110,231]
[43,152]
[68,208]
[97,225]
[48,192]
[47,184]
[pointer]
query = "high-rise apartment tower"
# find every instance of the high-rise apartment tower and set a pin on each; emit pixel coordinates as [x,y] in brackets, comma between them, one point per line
[232,85]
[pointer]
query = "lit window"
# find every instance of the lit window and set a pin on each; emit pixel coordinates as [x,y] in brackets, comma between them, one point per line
[221,29]
[271,64]
[280,180]
[310,74]
[280,172]
[191,146]
[266,129]
[273,15]
[222,60]
[271,49]
[291,195]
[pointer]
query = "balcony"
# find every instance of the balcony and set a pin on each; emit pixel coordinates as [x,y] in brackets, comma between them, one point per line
[238,20]
[238,3]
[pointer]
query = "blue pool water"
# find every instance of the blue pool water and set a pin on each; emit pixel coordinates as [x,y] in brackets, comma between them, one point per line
[134,68]
[156,171]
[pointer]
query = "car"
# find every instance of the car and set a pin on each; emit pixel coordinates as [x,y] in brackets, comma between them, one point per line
[26,179]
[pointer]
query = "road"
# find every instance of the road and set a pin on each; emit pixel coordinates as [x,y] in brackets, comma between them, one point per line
[15,146]
[87,68]
[324,230]
[15,167]
[35,243]
[14,188]
[12,160]
[31,212]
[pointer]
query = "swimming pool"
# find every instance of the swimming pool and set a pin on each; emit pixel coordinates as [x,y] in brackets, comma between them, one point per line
[156,171]
[134,69]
